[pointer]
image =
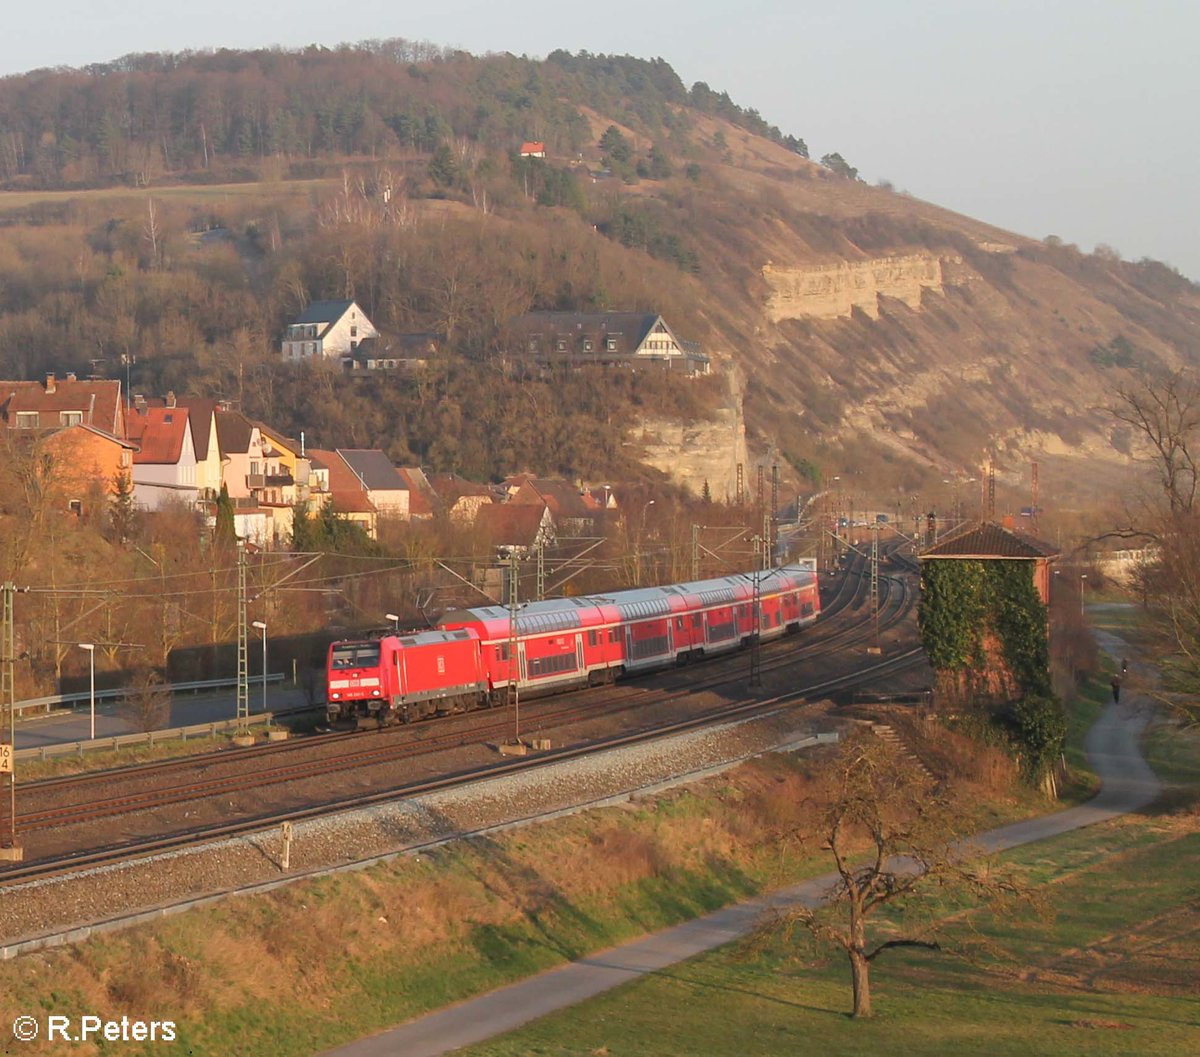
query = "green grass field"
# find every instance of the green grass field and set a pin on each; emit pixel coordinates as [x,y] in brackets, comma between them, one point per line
[1113,973]
[1113,970]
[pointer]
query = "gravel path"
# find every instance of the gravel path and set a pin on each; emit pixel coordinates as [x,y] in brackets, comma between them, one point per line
[1113,748]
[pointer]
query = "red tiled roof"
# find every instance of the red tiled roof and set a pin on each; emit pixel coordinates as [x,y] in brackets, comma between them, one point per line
[421,497]
[158,433]
[533,147]
[234,432]
[989,540]
[562,497]
[200,413]
[344,486]
[508,525]
[450,488]
[99,402]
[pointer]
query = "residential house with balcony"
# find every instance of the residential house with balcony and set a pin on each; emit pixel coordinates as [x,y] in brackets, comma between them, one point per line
[326,330]
[290,483]
[252,476]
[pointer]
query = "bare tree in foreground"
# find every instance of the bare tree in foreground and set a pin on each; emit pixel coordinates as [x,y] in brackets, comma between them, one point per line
[146,702]
[1164,415]
[896,842]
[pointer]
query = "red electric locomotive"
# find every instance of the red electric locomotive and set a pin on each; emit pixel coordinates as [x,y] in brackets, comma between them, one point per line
[562,643]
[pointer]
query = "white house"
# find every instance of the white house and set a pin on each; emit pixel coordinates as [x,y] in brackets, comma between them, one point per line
[164,466]
[326,330]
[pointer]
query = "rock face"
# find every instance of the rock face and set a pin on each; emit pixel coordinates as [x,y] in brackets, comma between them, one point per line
[693,453]
[831,291]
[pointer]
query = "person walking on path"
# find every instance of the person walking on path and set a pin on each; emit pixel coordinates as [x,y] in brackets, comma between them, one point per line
[1116,689]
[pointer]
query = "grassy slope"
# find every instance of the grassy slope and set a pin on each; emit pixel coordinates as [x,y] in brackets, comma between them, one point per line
[1113,972]
[298,970]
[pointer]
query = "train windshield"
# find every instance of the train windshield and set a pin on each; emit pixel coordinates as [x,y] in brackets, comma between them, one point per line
[355,655]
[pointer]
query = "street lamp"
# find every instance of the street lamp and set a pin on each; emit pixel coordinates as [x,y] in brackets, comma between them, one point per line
[641,530]
[91,649]
[263,628]
[1082,579]
[395,619]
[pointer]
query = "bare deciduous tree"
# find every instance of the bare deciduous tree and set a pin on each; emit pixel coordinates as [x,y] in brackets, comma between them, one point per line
[1164,415]
[896,840]
[146,702]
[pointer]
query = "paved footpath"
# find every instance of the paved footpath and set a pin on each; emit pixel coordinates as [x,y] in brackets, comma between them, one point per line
[1112,747]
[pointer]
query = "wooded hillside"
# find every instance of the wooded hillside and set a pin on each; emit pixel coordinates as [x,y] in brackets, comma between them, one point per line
[179,209]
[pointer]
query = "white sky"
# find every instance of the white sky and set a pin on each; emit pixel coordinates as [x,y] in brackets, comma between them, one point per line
[1068,117]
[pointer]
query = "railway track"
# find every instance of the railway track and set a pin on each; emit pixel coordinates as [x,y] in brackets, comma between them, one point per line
[143,847]
[263,771]
[850,595]
[387,752]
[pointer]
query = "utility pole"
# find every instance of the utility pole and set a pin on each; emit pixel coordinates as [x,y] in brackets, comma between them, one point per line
[514,665]
[741,486]
[768,555]
[773,537]
[695,552]
[875,584]
[243,657]
[1033,510]
[541,570]
[755,655]
[10,850]
[760,500]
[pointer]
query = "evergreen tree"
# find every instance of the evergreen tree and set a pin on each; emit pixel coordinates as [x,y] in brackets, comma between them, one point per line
[225,531]
[304,529]
[122,514]
[615,145]
[443,167]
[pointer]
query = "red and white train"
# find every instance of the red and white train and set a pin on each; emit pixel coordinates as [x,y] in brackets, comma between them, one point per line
[561,643]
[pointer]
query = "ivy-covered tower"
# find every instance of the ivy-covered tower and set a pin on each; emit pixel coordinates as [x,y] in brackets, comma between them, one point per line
[984,603]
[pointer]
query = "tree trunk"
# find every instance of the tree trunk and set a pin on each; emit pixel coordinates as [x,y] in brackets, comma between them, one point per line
[860,974]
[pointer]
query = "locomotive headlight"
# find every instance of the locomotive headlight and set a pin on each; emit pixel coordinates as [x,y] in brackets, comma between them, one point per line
[337,695]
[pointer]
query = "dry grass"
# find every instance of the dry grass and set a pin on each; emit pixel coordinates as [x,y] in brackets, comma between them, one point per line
[342,956]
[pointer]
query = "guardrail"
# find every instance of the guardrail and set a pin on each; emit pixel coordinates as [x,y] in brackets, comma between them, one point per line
[57,701]
[153,737]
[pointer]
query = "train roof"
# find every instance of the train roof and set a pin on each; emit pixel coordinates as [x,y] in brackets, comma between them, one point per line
[561,614]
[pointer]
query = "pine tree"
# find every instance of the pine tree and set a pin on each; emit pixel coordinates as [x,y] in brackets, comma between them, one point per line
[225,531]
[122,514]
[304,529]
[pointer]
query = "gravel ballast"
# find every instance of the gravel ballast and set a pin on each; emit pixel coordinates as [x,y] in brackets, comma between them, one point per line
[44,913]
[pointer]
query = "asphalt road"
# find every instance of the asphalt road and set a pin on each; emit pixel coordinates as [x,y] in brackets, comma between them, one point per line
[186,709]
[1112,747]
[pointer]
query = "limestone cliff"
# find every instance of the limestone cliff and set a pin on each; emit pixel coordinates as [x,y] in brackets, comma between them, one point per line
[693,453]
[830,291]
